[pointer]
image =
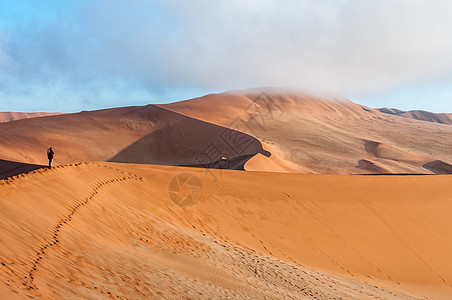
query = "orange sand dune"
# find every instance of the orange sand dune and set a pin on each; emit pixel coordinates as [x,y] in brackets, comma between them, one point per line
[105,230]
[148,134]
[13,116]
[323,135]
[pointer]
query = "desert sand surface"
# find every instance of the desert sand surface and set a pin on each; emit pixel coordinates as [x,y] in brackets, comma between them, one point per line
[108,230]
[13,116]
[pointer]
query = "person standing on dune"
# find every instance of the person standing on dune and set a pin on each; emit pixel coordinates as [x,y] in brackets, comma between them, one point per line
[50,155]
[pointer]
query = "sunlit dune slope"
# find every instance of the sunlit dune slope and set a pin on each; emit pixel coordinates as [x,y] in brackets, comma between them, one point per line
[311,134]
[110,230]
[147,134]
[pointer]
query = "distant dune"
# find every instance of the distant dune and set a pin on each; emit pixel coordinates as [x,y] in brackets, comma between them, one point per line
[104,230]
[420,115]
[309,134]
[13,116]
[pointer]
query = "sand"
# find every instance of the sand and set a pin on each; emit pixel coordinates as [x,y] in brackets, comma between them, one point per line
[99,230]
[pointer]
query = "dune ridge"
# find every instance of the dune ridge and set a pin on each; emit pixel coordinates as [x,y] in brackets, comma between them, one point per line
[11,168]
[13,116]
[420,115]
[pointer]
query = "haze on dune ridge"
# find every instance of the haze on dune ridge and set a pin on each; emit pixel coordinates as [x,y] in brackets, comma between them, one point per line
[13,116]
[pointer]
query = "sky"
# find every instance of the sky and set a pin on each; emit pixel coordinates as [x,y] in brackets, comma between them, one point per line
[68,56]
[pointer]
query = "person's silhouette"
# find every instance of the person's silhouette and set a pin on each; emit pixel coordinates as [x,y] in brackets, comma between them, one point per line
[50,155]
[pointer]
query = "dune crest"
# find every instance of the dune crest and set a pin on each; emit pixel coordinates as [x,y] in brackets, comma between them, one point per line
[14,116]
[11,168]
[420,115]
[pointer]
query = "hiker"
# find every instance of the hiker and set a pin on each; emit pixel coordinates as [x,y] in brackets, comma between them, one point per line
[50,155]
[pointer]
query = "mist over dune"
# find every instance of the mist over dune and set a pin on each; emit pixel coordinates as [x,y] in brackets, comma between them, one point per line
[13,116]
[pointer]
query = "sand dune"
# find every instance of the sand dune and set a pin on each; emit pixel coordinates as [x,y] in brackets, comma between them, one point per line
[148,134]
[101,230]
[13,116]
[323,135]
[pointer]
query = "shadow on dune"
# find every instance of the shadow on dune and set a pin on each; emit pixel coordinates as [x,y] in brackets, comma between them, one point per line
[236,163]
[438,167]
[180,140]
[368,165]
[11,168]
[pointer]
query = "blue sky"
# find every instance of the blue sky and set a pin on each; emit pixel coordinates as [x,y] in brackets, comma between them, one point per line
[74,55]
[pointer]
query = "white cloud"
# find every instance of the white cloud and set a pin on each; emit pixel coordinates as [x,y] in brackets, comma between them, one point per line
[340,45]
[345,46]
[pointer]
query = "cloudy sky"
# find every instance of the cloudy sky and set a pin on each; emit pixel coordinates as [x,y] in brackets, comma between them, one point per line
[61,55]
